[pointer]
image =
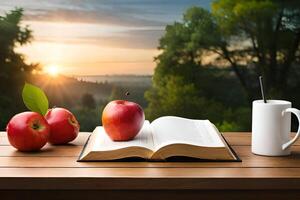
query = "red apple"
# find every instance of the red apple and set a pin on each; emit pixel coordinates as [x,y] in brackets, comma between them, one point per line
[63,126]
[28,131]
[122,120]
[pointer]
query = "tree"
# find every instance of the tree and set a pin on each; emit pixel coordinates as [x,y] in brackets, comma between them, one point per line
[88,101]
[268,37]
[180,99]
[13,70]
[251,38]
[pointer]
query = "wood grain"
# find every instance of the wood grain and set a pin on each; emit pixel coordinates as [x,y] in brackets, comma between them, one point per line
[244,139]
[79,141]
[66,156]
[55,168]
[234,138]
[149,178]
[152,194]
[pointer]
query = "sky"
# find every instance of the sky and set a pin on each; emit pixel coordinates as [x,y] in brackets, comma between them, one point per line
[97,37]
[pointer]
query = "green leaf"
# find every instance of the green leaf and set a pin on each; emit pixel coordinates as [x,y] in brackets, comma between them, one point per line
[35,99]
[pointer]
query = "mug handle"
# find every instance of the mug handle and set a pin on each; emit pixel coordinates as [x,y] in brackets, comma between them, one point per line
[292,141]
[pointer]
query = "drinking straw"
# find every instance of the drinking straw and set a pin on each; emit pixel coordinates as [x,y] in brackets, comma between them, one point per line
[262,88]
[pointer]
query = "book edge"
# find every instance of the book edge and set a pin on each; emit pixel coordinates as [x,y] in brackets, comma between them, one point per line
[83,154]
[237,158]
[80,158]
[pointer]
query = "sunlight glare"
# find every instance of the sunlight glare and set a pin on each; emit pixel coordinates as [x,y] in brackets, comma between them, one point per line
[52,70]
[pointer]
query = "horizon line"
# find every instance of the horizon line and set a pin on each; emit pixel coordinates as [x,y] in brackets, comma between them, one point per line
[108,75]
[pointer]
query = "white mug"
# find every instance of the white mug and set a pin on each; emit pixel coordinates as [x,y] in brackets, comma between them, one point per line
[271,126]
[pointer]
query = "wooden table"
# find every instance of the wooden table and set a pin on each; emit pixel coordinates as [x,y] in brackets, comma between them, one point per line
[54,173]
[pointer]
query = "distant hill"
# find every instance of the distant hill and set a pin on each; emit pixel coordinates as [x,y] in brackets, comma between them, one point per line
[142,80]
[68,91]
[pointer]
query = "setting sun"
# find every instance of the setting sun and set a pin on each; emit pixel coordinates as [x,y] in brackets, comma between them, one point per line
[52,70]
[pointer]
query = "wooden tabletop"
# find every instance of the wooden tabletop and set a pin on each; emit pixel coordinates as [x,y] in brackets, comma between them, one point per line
[55,167]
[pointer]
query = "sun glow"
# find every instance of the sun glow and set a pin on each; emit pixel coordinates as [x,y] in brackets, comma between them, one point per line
[52,70]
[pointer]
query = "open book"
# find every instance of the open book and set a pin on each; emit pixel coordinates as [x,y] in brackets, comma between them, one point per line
[165,137]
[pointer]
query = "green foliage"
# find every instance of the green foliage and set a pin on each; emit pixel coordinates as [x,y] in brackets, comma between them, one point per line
[88,119]
[238,119]
[269,32]
[242,39]
[226,126]
[35,99]
[180,99]
[88,101]
[183,99]
[13,70]
[135,93]
[176,98]
[12,33]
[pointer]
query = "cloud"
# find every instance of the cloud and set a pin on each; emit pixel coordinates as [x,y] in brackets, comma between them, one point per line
[84,16]
[132,39]
[153,15]
[118,12]
[86,31]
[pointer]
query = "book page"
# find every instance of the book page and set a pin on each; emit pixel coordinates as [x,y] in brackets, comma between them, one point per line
[102,142]
[170,130]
